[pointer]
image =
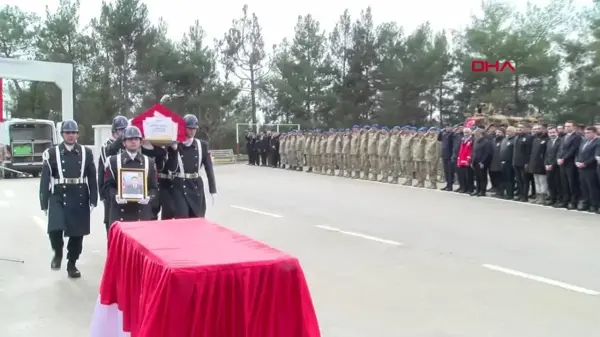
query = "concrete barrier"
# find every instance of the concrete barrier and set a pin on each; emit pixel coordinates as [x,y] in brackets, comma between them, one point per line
[223,156]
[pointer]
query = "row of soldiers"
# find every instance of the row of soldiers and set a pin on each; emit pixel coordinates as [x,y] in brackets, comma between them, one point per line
[368,152]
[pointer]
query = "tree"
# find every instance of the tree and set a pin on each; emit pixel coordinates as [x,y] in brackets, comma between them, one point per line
[243,54]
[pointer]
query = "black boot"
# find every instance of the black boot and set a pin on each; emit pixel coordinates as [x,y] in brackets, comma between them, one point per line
[56,262]
[72,270]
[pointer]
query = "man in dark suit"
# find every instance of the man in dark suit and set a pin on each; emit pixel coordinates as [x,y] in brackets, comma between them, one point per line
[586,164]
[536,165]
[481,159]
[521,156]
[568,171]
[552,168]
[446,137]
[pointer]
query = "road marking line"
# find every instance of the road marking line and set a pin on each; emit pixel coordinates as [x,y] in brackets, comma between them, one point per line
[257,211]
[359,235]
[541,279]
[9,193]
[41,223]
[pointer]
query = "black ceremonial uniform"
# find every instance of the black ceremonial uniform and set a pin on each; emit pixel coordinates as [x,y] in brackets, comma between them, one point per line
[185,164]
[67,190]
[164,202]
[130,211]
[102,162]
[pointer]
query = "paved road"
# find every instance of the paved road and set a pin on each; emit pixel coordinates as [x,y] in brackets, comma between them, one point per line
[381,260]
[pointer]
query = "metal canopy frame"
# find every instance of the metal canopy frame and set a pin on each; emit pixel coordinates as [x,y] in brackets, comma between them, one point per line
[60,74]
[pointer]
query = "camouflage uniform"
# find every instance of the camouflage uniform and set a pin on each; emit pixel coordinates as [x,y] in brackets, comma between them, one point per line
[324,158]
[331,152]
[363,152]
[291,150]
[373,137]
[308,139]
[337,150]
[406,156]
[418,152]
[432,157]
[383,147]
[299,151]
[283,141]
[316,151]
[346,168]
[354,162]
[394,154]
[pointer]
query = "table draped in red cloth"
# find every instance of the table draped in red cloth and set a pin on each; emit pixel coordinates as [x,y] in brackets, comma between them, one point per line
[193,278]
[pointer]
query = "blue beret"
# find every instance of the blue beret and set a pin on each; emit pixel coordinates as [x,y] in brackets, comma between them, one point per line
[433,128]
[413,128]
[347,130]
[385,128]
[375,126]
[422,129]
[396,127]
[355,127]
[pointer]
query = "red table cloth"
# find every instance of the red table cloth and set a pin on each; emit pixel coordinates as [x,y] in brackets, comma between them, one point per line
[193,278]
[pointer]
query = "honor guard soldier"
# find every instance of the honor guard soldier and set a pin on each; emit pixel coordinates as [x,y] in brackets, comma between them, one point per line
[165,197]
[185,160]
[119,124]
[68,194]
[131,158]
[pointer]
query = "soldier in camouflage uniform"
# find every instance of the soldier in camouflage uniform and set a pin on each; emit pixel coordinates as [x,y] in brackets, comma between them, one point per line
[364,153]
[406,154]
[418,152]
[291,151]
[283,150]
[354,161]
[337,150]
[316,151]
[324,157]
[346,168]
[299,151]
[330,151]
[308,139]
[373,138]
[383,147]
[432,156]
[394,153]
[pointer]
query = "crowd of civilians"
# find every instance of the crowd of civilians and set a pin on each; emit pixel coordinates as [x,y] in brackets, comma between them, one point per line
[555,166]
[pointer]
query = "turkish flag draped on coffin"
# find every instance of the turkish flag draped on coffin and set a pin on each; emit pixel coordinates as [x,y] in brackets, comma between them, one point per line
[158,109]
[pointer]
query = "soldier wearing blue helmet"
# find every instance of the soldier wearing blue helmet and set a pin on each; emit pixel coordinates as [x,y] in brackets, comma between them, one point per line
[185,161]
[119,124]
[68,194]
[123,168]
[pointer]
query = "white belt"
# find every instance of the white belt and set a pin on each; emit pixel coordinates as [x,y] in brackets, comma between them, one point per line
[70,181]
[187,175]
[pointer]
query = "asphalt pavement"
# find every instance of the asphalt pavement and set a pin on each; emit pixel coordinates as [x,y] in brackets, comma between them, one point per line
[381,260]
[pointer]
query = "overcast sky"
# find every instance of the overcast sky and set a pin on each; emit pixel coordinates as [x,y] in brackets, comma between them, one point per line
[278,17]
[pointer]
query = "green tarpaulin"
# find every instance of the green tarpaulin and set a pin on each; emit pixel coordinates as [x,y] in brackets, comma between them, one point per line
[22,149]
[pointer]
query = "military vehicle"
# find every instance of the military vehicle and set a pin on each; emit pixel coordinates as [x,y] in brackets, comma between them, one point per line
[486,116]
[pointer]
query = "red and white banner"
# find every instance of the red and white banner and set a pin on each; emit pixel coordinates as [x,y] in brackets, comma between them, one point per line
[107,321]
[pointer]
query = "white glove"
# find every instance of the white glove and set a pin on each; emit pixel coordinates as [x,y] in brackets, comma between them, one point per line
[92,208]
[45,212]
[120,201]
[144,201]
[174,146]
[212,197]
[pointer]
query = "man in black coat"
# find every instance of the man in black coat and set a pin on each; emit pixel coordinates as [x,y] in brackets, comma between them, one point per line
[250,148]
[521,156]
[552,169]
[274,157]
[495,171]
[68,194]
[536,165]
[480,161]
[446,138]
[586,163]
[568,171]
[185,160]
[457,136]
[507,150]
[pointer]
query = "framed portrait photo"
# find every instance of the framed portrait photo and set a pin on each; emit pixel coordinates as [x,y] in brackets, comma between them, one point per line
[132,184]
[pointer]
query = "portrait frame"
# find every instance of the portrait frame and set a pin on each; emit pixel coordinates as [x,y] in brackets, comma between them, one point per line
[125,189]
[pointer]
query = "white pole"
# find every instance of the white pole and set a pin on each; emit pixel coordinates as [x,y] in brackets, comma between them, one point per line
[237,137]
